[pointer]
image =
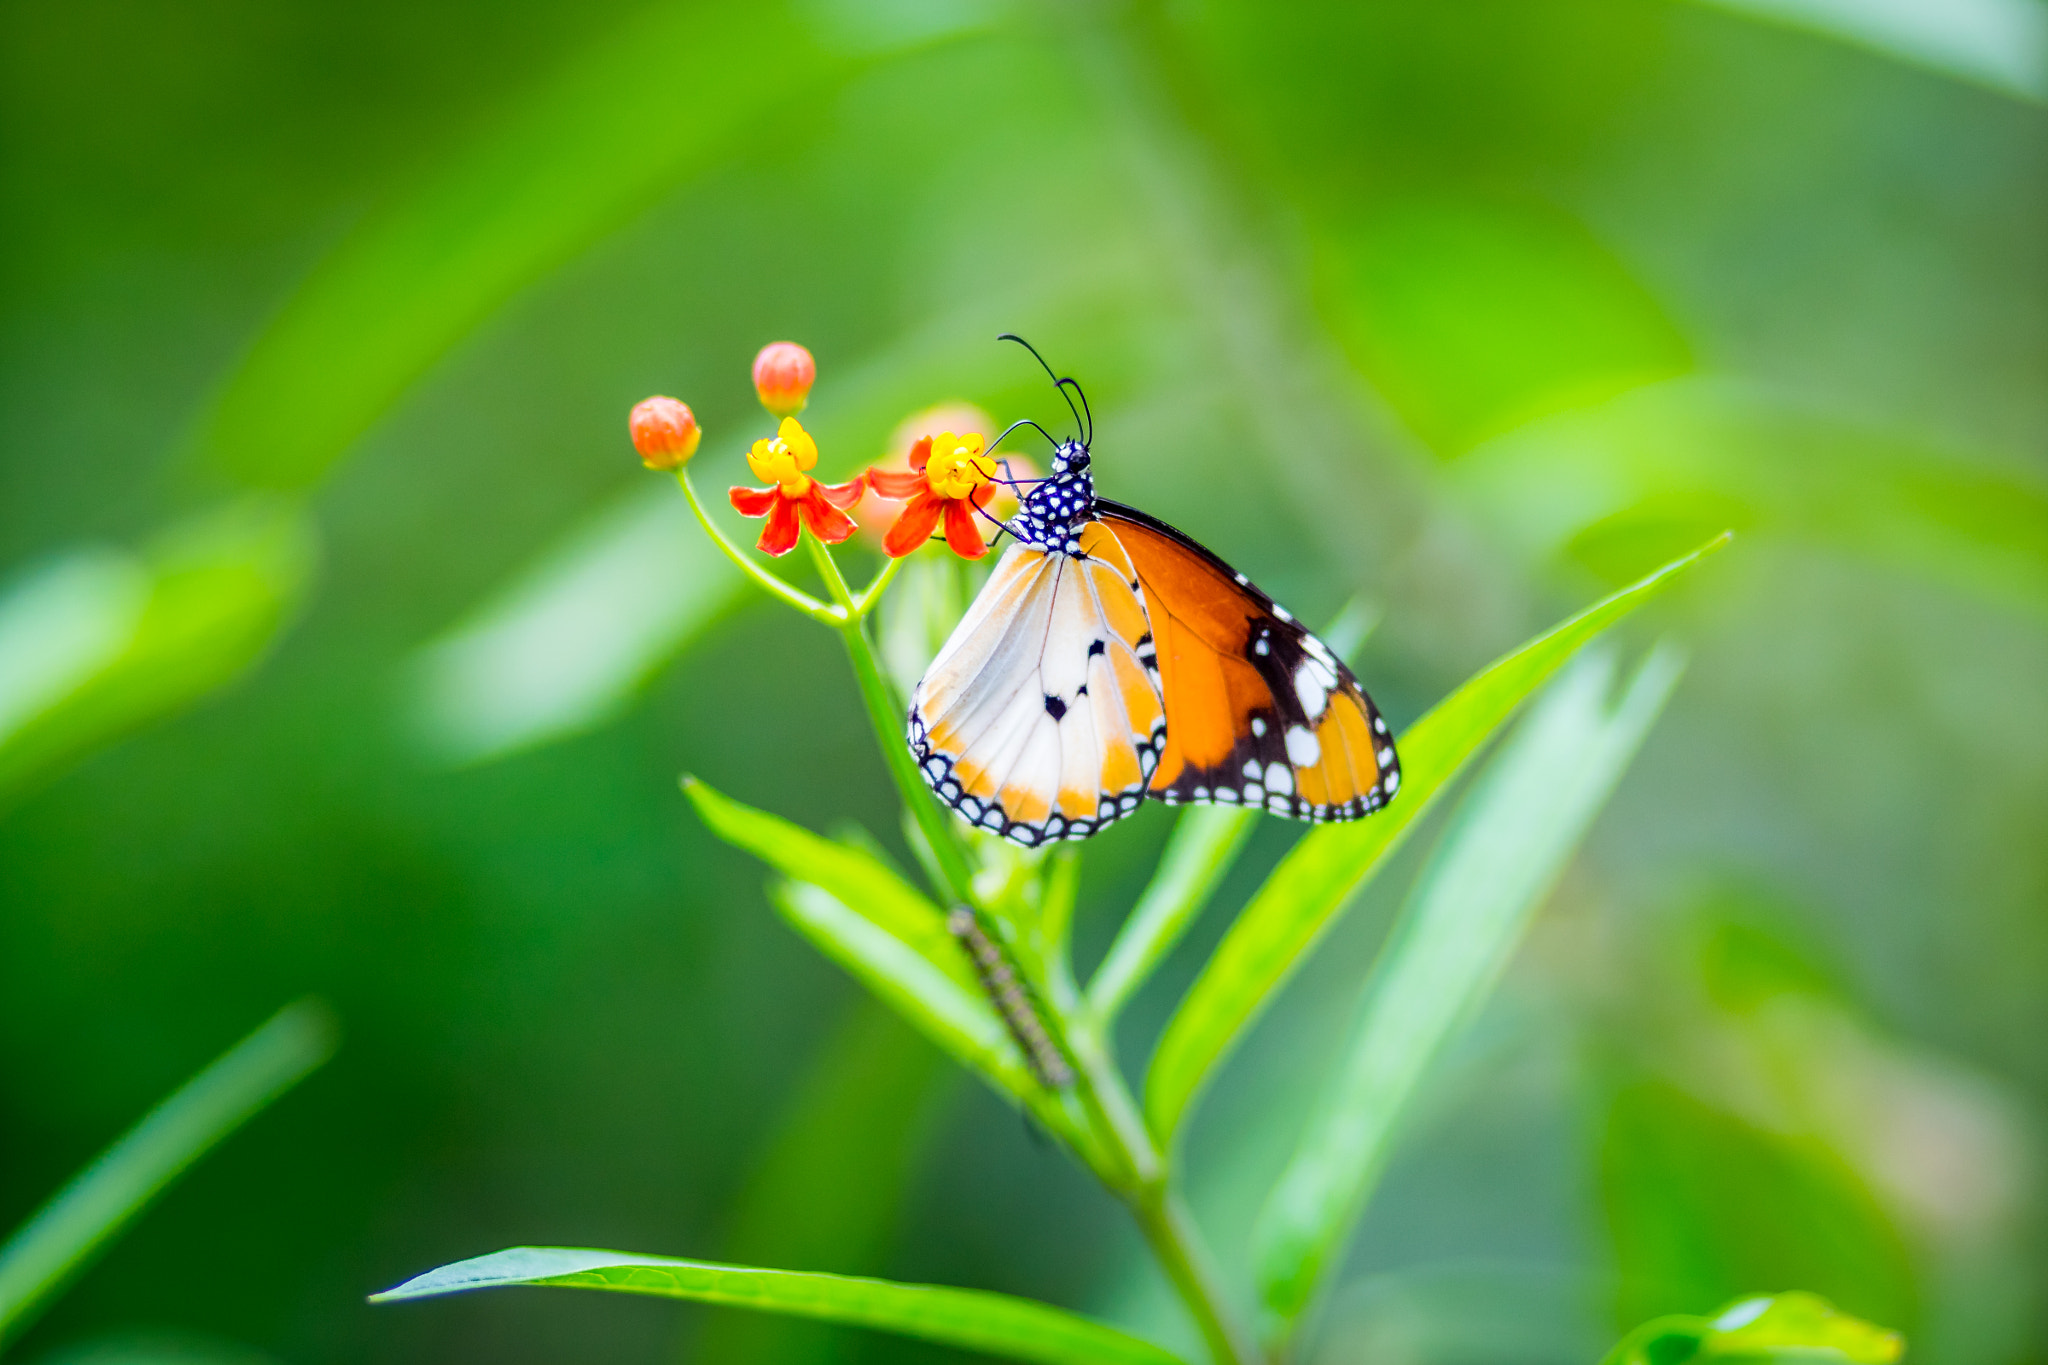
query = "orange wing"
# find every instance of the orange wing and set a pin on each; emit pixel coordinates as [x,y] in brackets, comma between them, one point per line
[1259,712]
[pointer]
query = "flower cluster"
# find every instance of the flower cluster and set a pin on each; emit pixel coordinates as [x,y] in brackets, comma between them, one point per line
[950,479]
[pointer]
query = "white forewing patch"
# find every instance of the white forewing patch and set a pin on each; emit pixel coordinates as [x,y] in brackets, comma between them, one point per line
[1313,694]
[1303,749]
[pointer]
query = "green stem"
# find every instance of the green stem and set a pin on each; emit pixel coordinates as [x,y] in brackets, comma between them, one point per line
[802,601]
[865,602]
[1166,1223]
[888,723]
[1172,1235]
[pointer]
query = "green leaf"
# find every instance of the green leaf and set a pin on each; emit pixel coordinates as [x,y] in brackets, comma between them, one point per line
[972,1319]
[850,874]
[1511,838]
[1764,1322]
[1791,1327]
[1301,899]
[659,99]
[1205,842]
[958,1018]
[86,1214]
[103,642]
[863,915]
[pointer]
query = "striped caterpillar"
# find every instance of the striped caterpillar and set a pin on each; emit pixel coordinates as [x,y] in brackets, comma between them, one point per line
[1012,998]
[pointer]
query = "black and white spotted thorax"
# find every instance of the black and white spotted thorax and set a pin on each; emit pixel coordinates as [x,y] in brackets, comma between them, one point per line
[1050,516]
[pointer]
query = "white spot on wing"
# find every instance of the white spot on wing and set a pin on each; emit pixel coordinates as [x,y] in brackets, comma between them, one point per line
[1313,694]
[1279,778]
[1303,749]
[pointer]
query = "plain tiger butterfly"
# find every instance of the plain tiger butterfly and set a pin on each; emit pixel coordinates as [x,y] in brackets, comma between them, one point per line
[1110,658]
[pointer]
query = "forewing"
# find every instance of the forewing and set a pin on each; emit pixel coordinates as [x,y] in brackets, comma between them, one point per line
[1259,711]
[1042,717]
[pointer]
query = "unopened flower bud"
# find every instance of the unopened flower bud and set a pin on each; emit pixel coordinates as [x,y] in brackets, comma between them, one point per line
[783,374]
[665,432]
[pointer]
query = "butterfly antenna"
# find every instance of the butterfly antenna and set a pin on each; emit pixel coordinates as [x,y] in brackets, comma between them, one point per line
[1087,415]
[1025,422]
[1057,382]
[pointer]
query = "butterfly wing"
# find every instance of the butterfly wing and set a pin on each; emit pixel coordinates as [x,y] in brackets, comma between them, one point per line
[1042,716]
[1260,712]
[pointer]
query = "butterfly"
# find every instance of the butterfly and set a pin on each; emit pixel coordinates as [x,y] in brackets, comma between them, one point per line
[1109,659]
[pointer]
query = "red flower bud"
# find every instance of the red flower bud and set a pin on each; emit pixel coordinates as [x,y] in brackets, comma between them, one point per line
[665,432]
[783,374]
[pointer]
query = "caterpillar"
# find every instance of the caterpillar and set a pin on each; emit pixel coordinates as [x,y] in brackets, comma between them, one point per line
[1011,996]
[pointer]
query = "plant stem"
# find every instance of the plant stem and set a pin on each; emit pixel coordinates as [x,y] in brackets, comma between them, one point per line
[947,850]
[802,601]
[1168,1227]
[1171,1233]
[872,593]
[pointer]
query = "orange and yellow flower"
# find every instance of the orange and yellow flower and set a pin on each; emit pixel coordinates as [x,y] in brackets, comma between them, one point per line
[950,479]
[793,499]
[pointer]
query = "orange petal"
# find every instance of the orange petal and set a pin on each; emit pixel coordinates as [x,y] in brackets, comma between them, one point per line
[753,502]
[961,532]
[778,537]
[914,527]
[844,495]
[899,485]
[827,522]
[920,452]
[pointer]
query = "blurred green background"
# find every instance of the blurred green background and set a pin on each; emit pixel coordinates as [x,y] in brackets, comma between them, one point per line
[345,648]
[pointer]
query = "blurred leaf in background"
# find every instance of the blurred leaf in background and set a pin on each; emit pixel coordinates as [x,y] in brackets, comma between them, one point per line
[99,642]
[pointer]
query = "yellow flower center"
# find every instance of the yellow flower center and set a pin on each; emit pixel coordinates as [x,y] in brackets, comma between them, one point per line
[957,467]
[784,458]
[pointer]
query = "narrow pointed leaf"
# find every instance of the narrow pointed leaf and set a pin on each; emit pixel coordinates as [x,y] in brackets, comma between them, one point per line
[862,914]
[850,874]
[971,1319]
[1300,901]
[89,1212]
[958,1018]
[1511,838]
